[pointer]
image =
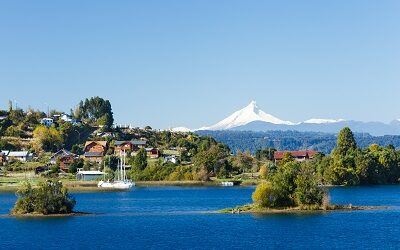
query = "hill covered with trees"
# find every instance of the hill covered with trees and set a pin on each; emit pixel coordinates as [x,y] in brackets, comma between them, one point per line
[292,140]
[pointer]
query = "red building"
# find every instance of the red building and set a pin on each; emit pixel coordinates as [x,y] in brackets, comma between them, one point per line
[128,146]
[302,155]
[153,153]
[95,150]
[64,158]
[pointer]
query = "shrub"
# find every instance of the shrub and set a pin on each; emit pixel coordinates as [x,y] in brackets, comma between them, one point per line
[264,195]
[50,197]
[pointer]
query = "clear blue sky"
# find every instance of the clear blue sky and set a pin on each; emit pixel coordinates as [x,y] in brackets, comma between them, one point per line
[191,63]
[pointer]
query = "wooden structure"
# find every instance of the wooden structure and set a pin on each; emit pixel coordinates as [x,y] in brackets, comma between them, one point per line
[128,146]
[65,159]
[95,150]
[153,153]
[301,155]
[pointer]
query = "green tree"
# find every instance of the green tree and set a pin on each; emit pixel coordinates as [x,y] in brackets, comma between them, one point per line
[47,139]
[112,161]
[308,191]
[50,197]
[140,160]
[345,143]
[244,161]
[284,184]
[97,110]
[343,169]
[265,154]
[207,160]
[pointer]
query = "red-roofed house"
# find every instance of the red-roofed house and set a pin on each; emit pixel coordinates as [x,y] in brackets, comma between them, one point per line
[301,155]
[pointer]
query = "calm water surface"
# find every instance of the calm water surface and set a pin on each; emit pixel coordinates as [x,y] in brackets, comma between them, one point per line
[168,218]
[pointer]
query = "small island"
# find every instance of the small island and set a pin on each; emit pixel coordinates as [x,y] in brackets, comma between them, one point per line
[49,198]
[293,189]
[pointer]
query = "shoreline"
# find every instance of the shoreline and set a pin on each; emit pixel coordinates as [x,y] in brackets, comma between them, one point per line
[251,209]
[92,186]
[34,215]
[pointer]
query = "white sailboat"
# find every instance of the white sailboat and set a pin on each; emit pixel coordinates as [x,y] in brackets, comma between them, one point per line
[121,181]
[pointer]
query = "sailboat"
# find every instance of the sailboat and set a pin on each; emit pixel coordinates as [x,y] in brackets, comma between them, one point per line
[121,181]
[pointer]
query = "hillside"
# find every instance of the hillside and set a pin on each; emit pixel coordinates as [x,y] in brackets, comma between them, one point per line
[292,140]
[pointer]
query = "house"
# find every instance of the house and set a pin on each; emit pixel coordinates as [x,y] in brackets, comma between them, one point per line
[153,153]
[48,122]
[69,119]
[172,158]
[95,150]
[88,175]
[128,146]
[105,134]
[302,155]
[65,158]
[18,155]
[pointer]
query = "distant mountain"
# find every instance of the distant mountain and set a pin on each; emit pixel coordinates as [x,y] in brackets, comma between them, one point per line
[251,118]
[247,115]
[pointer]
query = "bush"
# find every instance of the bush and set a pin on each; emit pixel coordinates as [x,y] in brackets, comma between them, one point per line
[50,197]
[264,195]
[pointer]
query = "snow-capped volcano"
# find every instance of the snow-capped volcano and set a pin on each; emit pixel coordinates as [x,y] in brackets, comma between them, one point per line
[251,118]
[249,114]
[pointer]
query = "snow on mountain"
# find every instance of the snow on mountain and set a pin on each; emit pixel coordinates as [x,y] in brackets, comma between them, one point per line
[322,121]
[245,116]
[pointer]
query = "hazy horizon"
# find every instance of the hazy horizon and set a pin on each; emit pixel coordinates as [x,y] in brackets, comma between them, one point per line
[181,63]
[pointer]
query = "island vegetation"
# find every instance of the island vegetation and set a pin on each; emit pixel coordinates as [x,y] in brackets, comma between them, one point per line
[48,198]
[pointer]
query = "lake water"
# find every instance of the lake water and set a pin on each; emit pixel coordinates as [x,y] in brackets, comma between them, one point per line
[169,218]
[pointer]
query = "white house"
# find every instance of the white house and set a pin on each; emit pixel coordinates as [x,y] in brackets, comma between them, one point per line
[171,158]
[69,119]
[48,122]
[18,155]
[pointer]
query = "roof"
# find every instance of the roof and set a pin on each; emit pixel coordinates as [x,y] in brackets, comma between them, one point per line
[149,149]
[102,143]
[170,152]
[138,142]
[90,172]
[18,154]
[62,153]
[134,142]
[93,154]
[296,154]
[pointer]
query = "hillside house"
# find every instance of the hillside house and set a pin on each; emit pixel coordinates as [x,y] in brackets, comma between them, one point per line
[94,151]
[302,155]
[65,159]
[174,159]
[153,153]
[18,156]
[48,122]
[128,146]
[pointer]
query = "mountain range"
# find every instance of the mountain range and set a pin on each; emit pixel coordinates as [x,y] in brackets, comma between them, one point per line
[252,118]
